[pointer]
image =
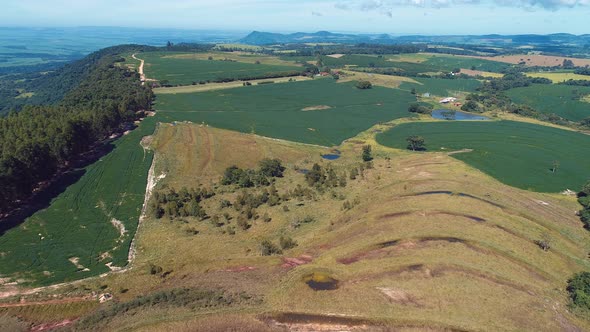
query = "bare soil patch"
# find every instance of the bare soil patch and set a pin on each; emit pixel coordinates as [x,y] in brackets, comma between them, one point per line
[316,108]
[533,59]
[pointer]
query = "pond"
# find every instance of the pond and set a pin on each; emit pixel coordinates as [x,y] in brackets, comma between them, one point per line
[320,281]
[331,156]
[456,115]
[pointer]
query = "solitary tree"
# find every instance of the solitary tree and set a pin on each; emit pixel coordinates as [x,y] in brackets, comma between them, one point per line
[416,143]
[363,85]
[555,166]
[367,155]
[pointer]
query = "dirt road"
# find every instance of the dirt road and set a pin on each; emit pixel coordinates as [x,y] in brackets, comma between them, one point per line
[140,70]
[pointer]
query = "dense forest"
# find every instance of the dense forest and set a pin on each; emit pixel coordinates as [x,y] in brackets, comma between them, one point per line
[78,106]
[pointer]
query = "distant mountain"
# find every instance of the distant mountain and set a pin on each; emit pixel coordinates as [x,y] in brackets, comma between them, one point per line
[268,38]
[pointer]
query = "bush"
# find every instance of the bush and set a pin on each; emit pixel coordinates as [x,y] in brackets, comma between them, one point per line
[268,248]
[287,242]
[367,156]
[363,85]
[421,109]
[578,288]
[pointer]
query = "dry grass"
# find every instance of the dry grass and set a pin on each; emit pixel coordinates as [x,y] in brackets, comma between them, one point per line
[533,59]
[221,86]
[446,272]
[387,81]
[559,77]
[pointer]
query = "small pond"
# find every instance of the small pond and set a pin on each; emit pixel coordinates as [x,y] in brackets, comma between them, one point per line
[331,156]
[456,115]
[320,281]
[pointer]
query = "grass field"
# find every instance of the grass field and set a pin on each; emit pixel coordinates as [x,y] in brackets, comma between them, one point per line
[184,71]
[518,154]
[276,110]
[557,77]
[87,226]
[442,87]
[550,98]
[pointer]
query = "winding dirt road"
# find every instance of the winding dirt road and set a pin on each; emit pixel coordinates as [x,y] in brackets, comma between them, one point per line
[140,70]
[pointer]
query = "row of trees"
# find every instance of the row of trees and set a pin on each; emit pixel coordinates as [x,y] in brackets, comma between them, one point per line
[39,140]
[579,285]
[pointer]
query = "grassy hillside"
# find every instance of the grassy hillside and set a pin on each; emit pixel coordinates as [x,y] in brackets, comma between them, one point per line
[516,153]
[563,100]
[407,255]
[185,71]
[318,112]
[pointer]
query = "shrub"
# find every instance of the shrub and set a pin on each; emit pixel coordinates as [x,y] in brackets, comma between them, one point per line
[363,85]
[287,242]
[367,155]
[268,248]
[578,288]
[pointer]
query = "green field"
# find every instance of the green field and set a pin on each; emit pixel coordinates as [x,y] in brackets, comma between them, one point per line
[551,98]
[276,110]
[184,71]
[448,63]
[516,153]
[423,62]
[442,87]
[78,222]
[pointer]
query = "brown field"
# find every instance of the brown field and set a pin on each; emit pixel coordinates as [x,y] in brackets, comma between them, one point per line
[227,85]
[479,73]
[533,59]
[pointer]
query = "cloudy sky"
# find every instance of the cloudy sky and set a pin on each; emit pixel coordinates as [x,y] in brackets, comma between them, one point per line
[381,16]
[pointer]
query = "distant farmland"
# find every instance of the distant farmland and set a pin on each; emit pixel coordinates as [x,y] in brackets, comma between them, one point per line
[89,225]
[277,110]
[563,100]
[185,71]
[516,153]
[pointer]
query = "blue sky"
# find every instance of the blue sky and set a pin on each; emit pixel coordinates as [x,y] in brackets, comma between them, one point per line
[380,16]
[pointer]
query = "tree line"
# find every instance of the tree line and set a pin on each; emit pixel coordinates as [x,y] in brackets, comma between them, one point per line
[40,139]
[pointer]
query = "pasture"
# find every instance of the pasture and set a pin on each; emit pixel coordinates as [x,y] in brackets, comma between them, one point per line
[89,225]
[516,153]
[563,100]
[277,110]
[408,245]
[557,77]
[186,70]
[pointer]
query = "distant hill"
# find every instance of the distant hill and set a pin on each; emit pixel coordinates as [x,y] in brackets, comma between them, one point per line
[268,38]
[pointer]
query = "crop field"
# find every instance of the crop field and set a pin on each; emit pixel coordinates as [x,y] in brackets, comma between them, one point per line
[185,71]
[442,87]
[563,100]
[518,154]
[533,60]
[436,231]
[557,77]
[317,112]
[89,225]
